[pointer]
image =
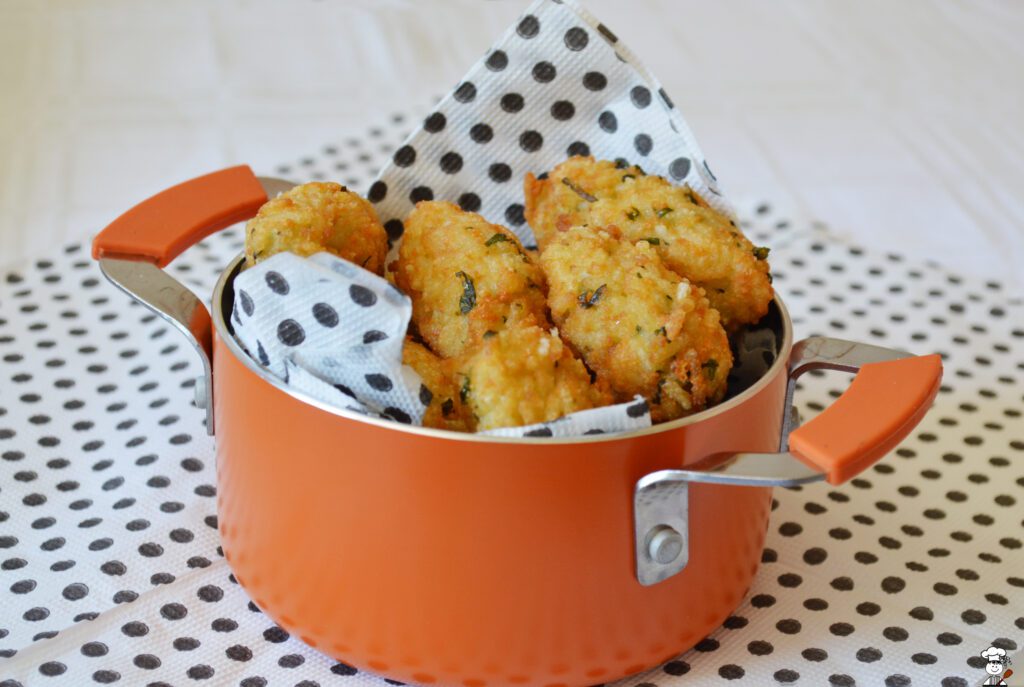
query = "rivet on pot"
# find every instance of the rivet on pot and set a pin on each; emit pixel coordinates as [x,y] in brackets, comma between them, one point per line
[199,391]
[664,544]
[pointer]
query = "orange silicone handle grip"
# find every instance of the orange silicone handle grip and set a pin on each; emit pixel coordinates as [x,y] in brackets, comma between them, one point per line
[883,404]
[160,228]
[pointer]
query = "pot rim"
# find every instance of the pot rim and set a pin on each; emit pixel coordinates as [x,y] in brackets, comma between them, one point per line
[225,334]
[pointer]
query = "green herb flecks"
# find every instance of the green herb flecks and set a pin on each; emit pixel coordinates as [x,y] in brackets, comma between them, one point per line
[632,213]
[761,252]
[657,392]
[588,299]
[653,240]
[490,333]
[468,300]
[664,211]
[497,238]
[578,191]
[628,176]
[710,369]
[464,390]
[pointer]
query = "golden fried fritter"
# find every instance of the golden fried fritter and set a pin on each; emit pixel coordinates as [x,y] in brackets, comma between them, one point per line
[314,217]
[642,328]
[523,375]
[693,239]
[465,276]
[445,409]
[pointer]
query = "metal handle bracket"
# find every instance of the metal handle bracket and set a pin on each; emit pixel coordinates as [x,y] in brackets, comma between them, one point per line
[661,499]
[139,275]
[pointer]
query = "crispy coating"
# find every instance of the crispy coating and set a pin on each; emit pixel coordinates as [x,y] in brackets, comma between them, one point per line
[465,276]
[642,328]
[445,409]
[523,375]
[693,239]
[314,217]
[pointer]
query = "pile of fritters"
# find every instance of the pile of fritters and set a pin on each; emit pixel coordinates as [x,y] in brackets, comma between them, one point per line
[314,217]
[635,287]
[691,238]
[479,302]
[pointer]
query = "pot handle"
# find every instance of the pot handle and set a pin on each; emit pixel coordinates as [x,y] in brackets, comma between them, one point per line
[886,400]
[160,228]
[133,249]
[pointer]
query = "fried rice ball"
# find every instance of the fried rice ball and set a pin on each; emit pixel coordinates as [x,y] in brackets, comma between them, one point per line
[315,217]
[694,240]
[523,375]
[639,326]
[445,409]
[466,277]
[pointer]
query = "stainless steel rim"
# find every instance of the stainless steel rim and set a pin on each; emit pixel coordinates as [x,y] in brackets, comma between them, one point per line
[223,332]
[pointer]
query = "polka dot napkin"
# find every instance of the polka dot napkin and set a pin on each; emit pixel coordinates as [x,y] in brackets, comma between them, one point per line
[289,314]
[558,83]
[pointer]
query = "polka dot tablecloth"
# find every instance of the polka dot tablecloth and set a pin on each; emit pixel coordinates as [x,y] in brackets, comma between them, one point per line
[111,573]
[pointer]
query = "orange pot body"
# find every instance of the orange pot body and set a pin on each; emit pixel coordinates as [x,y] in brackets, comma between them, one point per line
[451,561]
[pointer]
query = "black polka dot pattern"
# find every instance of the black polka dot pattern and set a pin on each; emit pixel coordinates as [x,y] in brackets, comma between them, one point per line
[497,61]
[558,85]
[619,418]
[333,324]
[116,462]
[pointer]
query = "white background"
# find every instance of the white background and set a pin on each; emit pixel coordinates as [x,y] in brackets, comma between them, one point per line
[898,124]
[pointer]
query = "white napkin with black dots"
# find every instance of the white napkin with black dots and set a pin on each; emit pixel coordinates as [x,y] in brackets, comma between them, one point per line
[635,414]
[557,84]
[334,331]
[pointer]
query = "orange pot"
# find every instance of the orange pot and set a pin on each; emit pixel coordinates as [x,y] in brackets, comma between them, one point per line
[436,557]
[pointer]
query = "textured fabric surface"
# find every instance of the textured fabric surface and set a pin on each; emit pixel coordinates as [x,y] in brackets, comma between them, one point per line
[109,562]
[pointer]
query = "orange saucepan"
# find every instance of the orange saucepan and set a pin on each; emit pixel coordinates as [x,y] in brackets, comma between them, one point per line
[441,558]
